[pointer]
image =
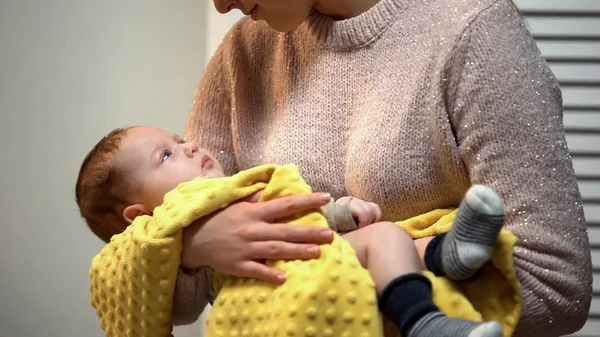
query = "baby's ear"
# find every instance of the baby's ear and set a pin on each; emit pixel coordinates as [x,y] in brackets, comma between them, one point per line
[133,211]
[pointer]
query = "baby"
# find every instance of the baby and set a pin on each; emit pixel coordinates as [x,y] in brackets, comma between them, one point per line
[141,164]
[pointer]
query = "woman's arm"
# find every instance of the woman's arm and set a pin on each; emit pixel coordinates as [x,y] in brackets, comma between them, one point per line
[192,295]
[505,109]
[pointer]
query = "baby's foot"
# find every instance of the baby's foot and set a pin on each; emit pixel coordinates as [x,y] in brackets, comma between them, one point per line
[470,242]
[436,324]
[488,329]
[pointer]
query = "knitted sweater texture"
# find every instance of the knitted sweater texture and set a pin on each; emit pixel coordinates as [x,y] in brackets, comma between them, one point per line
[407,105]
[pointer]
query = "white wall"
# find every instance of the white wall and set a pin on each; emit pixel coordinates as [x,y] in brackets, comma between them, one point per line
[69,72]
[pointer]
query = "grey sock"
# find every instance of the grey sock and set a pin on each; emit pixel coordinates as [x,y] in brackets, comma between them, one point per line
[436,324]
[473,236]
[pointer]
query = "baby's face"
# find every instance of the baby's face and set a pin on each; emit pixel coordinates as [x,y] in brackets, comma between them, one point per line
[158,161]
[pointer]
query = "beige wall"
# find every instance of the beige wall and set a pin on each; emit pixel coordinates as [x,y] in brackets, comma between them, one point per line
[69,72]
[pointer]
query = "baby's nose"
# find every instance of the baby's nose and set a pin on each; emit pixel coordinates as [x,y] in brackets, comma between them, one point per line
[190,149]
[193,147]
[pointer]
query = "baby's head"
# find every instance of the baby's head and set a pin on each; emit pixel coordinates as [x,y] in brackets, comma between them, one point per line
[128,173]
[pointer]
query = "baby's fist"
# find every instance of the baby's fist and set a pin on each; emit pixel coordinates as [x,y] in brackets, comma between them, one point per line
[364,213]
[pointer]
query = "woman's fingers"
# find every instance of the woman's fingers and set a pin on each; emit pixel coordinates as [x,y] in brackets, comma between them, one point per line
[272,210]
[278,250]
[287,233]
[253,269]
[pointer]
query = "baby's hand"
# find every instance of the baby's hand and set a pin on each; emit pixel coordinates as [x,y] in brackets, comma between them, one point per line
[365,213]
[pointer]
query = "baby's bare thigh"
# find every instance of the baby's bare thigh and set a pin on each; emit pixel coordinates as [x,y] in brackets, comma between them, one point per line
[363,238]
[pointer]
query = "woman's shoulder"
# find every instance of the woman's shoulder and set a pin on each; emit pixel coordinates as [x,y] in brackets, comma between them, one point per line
[452,20]
[458,15]
[465,10]
[247,34]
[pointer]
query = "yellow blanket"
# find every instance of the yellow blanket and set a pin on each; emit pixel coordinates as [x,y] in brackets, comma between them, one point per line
[133,278]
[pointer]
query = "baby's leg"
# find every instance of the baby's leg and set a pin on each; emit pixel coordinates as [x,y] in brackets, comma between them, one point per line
[468,245]
[389,254]
[386,250]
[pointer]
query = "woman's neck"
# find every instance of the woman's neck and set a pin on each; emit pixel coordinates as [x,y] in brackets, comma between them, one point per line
[343,9]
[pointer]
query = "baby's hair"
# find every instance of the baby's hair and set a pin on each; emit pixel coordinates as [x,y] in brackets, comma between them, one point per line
[101,187]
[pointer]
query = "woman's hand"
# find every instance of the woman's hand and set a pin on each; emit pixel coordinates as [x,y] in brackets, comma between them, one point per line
[235,240]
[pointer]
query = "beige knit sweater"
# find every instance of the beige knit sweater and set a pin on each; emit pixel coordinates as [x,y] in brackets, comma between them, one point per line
[407,105]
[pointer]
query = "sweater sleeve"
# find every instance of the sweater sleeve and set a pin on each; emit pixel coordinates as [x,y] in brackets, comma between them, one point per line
[209,121]
[505,109]
[193,292]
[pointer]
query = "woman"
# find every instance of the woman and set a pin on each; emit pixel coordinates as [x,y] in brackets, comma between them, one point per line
[405,103]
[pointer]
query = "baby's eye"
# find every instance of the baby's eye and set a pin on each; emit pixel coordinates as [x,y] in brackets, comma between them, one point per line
[166,155]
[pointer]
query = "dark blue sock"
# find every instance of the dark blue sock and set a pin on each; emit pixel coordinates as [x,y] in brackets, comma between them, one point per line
[433,255]
[406,300]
